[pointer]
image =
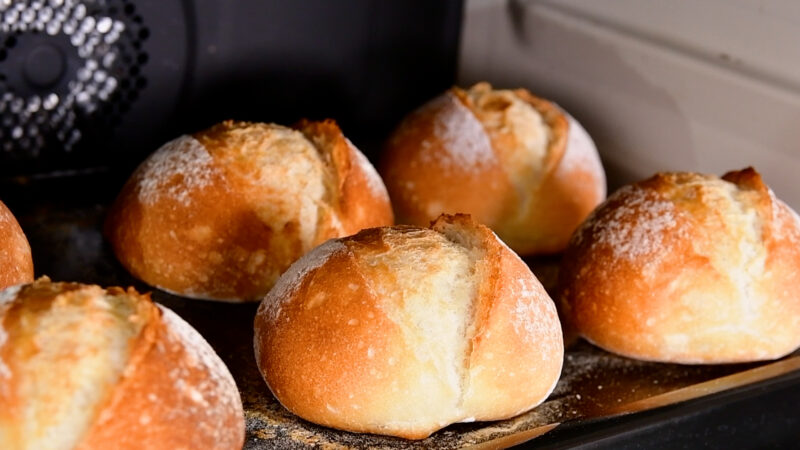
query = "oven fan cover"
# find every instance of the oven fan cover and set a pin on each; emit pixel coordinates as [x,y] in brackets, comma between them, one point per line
[96,85]
[69,72]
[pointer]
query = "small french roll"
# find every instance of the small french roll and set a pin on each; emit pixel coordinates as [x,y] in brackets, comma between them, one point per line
[222,213]
[82,367]
[514,161]
[687,268]
[403,330]
[16,264]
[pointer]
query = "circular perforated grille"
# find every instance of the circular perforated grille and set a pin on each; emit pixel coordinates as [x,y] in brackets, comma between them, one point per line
[69,70]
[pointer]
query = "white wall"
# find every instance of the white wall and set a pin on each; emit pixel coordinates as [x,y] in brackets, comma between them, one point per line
[705,85]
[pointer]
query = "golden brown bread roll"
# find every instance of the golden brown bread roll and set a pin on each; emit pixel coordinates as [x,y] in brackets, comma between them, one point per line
[91,368]
[221,214]
[16,265]
[515,162]
[687,268]
[404,330]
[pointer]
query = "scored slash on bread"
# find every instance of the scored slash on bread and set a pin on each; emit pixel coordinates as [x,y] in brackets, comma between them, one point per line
[687,268]
[514,161]
[86,367]
[222,213]
[403,330]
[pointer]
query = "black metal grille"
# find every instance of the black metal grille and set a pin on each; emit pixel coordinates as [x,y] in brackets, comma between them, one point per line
[69,71]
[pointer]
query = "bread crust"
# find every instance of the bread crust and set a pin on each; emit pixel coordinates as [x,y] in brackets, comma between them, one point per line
[173,392]
[441,158]
[332,352]
[16,264]
[687,268]
[210,229]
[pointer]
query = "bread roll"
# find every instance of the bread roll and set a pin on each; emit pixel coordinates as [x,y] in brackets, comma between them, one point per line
[687,268]
[515,162]
[404,330]
[91,368]
[16,265]
[221,214]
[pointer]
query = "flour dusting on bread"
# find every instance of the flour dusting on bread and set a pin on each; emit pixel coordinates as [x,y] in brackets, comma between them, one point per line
[688,268]
[291,279]
[175,170]
[581,155]
[200,356]
[636,228]
[533,313]
[374,181]
[785,221]
[420,328]
[9,294]
[466,144]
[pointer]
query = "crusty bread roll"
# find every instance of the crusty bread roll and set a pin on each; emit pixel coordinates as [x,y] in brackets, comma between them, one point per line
[515,162]
[687,268]
[404,330]
[221,214]
[16,264]
[91,368]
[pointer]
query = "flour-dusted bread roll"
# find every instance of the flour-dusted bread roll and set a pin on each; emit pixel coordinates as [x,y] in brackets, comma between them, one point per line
[404,330]
[687,268]
[515,162]
[16,265]
[90,368]
[221,214]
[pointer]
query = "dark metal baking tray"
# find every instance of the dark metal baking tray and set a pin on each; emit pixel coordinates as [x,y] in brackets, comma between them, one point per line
[602,401]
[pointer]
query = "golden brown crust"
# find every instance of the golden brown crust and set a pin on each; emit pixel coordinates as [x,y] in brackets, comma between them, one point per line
[444,157]
[303,360]
[557,124]
[335,351]
[424,179]
[204,218]
[505,344]
[569,191]
[363,200]
[172,392]
[16,344]
[169,400]
[16,264]
[687,268]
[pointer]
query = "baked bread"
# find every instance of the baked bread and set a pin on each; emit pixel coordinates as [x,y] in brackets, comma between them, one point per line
[514,161]
[222,213]
[16,265]
[687,268]
[404,330]
[90,368]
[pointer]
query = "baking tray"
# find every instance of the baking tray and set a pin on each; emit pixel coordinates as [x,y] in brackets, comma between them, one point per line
[602,400]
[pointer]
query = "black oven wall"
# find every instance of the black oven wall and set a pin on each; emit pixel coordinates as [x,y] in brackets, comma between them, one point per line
[96,85]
